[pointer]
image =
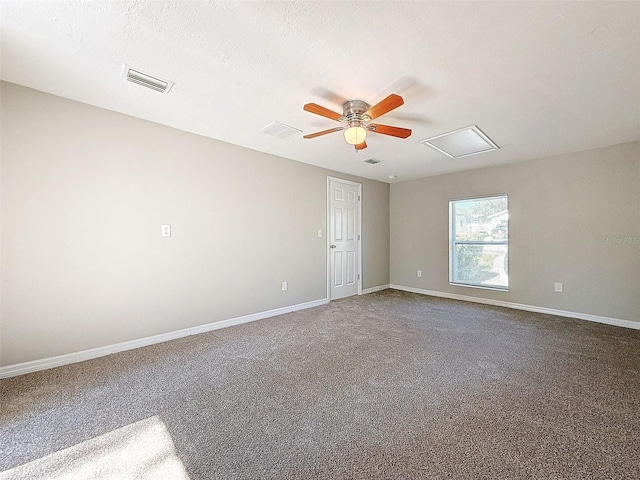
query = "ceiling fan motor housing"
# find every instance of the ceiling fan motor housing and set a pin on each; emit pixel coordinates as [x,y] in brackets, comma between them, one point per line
[353,111]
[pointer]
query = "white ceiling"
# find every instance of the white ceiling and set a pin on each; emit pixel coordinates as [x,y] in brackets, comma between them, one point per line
[539,78]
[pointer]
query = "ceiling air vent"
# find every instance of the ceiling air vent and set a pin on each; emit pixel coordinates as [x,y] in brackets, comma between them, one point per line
[146,80]
[461,143]
[372,161]
[280,130]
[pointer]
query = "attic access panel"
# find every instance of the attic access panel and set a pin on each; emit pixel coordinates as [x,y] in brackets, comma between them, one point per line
[461,143]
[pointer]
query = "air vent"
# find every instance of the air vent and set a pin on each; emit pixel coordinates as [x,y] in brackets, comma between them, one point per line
[461,143]
[146,80]
[372,161]
[280,130]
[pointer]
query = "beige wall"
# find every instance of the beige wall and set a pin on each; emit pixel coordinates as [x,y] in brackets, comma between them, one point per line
[375,232]
[84,192]
[562,210]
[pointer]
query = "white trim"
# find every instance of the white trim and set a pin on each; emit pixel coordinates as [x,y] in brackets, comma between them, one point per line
[328,226]
[375,289]
[481,287]
[51,362]
[618,322]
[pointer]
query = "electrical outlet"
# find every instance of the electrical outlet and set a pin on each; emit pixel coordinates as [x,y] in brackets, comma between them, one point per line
[166,230]
[284,286]
[557,287]
[419,273]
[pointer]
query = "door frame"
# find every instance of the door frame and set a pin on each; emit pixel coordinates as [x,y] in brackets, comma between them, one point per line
[328,227]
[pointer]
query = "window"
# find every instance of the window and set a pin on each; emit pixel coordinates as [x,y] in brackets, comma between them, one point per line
[479,242]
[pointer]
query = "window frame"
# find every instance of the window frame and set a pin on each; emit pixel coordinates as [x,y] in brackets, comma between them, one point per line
[453,243]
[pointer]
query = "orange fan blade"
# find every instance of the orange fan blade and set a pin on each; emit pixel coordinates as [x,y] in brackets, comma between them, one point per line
[361,146]
[385,106]
[387,130]
[324,132]
[325,112]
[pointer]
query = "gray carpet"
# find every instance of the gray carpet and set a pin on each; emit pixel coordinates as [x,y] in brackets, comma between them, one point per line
[386,385]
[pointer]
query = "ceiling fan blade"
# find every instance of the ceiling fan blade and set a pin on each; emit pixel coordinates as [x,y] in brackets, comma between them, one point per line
[324,132]
[388,130]
[361,146]
[385,106]
[319,110]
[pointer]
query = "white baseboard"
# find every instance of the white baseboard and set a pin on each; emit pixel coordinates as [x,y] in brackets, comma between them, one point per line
[51,362]
[375,289]
[46,363]
[518,306]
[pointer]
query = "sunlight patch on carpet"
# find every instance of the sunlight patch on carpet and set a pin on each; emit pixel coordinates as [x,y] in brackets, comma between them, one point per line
[140,450]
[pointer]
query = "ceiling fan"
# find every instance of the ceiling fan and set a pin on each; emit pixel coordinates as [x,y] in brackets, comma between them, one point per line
[357,116]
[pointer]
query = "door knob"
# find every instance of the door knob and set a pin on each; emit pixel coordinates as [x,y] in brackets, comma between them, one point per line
[333,246]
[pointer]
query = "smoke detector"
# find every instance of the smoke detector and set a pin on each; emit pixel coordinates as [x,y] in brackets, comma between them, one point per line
[145,79]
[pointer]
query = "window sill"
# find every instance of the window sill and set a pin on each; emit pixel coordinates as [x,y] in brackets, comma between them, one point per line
[481,287]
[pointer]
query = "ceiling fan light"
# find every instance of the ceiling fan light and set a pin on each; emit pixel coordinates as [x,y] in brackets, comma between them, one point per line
[355,135]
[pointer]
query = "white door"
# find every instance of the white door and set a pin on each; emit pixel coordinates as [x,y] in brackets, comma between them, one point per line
[344,238]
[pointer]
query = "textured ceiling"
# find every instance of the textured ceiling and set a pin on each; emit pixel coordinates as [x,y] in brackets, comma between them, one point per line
[539,78]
